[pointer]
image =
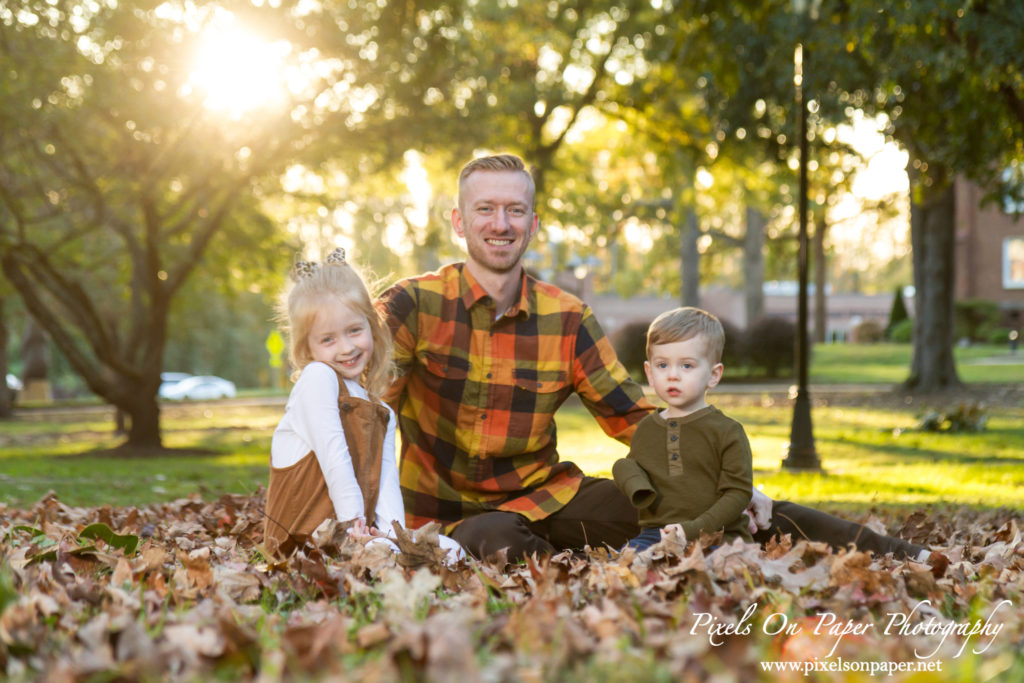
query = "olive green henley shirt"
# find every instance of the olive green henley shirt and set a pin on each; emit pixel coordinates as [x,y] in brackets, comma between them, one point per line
[694,470]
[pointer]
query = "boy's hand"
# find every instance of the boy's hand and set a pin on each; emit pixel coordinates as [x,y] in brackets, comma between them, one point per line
[759,512]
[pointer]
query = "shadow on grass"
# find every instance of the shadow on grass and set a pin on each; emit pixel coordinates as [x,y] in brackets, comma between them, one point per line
[914,453]
[129,452]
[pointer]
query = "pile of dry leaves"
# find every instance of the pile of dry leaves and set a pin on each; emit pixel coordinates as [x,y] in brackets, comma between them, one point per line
[182,591]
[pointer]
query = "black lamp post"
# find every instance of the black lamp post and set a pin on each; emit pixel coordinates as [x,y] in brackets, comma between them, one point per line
[802,454]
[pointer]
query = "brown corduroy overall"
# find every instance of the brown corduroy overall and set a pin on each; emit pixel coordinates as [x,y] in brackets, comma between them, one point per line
[297,497]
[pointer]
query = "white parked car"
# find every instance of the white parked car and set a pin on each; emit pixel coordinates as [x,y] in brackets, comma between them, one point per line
[14,385]
[169,379]
[198,388]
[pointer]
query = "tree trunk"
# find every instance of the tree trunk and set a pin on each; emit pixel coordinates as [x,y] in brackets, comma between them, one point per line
[143,423]
[820,277]
[6,400]
[753,265]
[131,382]
[932,238]
[35,362]
[35,353]
[689,260]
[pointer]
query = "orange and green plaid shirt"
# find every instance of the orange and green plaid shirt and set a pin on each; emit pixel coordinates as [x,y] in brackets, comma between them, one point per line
[477,397]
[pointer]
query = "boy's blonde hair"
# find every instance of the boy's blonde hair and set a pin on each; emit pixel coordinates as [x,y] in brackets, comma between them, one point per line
[316,285]
[684,323]
[495,162]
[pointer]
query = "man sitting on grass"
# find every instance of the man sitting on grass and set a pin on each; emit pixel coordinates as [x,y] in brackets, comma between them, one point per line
[486,355]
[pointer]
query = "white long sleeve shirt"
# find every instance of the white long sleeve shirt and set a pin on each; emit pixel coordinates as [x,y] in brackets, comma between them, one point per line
[312,422]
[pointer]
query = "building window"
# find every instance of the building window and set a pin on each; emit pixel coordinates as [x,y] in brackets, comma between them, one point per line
[1013,189]
[1013,263]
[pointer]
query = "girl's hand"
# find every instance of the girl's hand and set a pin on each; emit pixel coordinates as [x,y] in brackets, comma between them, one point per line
[359,528]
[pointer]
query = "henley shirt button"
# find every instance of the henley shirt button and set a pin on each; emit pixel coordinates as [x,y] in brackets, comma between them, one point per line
[675,456]
[671,424]
[674,437]
[483,417]
[488,375]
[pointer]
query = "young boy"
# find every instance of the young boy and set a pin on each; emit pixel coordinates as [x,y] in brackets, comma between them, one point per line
[688,464]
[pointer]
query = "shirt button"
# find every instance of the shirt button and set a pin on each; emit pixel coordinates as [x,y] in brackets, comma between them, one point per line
[674,437]
[483,417]
[488,375]
[671,424]
[675,456]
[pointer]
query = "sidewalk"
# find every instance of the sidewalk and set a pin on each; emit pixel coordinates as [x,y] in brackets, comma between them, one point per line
[785,387]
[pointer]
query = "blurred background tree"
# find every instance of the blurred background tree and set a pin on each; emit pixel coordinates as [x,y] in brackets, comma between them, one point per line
[161,165]
[129,155]
[949,79]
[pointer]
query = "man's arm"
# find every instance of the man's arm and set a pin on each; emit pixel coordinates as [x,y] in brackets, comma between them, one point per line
[398,306]
[602,383]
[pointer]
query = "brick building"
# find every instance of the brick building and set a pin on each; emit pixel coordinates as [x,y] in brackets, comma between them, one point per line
[989,251]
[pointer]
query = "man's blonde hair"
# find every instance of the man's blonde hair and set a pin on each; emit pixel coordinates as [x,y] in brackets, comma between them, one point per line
[495,162]
[326,284]
[684,323]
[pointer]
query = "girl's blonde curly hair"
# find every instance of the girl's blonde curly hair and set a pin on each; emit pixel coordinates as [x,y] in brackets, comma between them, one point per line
[316,285]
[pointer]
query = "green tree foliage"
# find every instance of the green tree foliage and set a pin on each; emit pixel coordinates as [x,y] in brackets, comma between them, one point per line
[976,319]
[897,313]
[217,331]
[949,77]
[117,177]
[769,344]
[521,76]
[717,97]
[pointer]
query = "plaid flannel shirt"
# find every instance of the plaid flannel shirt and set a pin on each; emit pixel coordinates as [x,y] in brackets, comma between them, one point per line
[476,397]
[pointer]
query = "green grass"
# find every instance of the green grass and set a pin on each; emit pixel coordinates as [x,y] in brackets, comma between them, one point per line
[890,363]
[872,455]
[67,455]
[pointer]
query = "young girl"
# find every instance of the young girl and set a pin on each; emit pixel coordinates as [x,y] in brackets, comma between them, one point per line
[333,453]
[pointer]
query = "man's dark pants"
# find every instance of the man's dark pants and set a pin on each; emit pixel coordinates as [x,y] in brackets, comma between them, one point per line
[600,515]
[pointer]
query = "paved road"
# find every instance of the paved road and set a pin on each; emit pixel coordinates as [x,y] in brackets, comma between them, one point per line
[782,387]
[64,410]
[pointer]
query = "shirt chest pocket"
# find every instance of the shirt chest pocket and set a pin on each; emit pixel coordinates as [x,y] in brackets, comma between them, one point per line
[541,381]
[444,375]
[539,391]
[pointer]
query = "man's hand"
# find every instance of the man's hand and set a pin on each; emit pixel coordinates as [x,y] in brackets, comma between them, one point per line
[759,512]
[669,529]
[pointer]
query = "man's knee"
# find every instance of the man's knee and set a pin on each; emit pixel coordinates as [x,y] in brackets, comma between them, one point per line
[598,515]
[485,534]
